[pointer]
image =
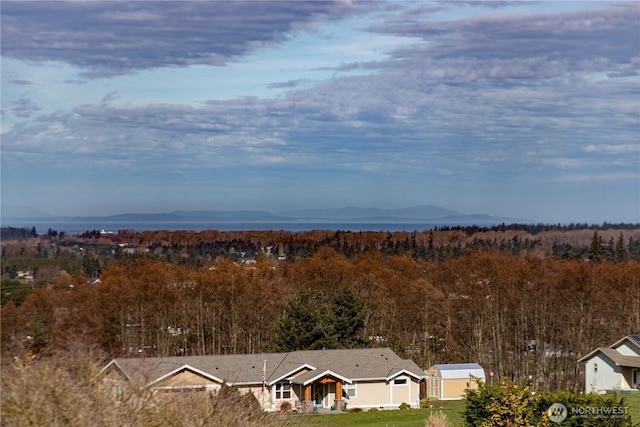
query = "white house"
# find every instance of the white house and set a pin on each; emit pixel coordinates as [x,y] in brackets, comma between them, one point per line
[449,381]
[616,367]
[307,380]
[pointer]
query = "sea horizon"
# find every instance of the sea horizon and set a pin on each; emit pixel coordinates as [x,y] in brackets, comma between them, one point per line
[79,227]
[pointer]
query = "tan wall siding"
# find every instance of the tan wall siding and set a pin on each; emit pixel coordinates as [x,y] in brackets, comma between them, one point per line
[381,394]
[409,393]
[454,388]
[185,378]
[114,375]
[369,395]
[400,394]
[297,374]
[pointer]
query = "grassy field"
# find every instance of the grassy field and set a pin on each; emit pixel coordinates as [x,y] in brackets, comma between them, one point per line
[406,418]
[416,417]
[633,402]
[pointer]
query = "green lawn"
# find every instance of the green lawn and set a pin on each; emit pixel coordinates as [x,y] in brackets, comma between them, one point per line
[395,418]
[633,402]
[415,417]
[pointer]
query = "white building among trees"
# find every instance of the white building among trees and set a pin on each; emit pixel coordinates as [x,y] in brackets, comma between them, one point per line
[614,368]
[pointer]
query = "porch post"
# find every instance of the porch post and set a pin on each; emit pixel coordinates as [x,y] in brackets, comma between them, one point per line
[307,403]
[339,402]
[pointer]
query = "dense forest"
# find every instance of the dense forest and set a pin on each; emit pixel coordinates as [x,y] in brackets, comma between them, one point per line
[525,303]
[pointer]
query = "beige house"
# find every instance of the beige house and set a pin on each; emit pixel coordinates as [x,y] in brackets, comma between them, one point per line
[616,367]
[449,381]
[308,380]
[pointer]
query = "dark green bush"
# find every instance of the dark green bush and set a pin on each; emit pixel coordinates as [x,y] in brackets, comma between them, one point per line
[507,404]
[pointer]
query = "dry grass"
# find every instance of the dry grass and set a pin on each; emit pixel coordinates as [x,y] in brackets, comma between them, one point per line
[438,419]
[55,392]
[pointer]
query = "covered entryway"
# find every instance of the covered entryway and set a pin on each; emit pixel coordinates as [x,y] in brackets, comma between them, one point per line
[321,390]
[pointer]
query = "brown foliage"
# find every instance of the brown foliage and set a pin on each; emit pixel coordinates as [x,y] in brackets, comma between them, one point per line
[522,317]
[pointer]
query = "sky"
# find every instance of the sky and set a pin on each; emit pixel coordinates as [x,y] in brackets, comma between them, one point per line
[514,109]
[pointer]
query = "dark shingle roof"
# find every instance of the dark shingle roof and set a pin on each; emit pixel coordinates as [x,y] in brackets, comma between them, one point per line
[355,364]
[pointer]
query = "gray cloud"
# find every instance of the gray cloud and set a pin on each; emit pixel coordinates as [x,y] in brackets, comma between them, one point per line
[147,34]
[550,97]
[23,108]
[521,46]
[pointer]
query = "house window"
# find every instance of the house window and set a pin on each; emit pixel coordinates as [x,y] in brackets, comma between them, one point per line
[595,367]
[400,381]
[349,390]
[283,391]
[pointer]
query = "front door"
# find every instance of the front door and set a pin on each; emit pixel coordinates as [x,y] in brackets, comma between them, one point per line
[318,395]
[323,395]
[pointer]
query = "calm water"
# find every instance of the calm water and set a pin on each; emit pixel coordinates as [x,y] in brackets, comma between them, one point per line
[76,227]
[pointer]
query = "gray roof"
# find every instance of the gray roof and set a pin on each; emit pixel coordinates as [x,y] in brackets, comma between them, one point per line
[615,356]
[460,370]
[352,364]
[633,339]
[620,360]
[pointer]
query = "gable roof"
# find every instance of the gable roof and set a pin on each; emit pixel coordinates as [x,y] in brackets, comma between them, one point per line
[634,339]
[348,364]
[615,357]
[311,376]
[460,370]
[186,368]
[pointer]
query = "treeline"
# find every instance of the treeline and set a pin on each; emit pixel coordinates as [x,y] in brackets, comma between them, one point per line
[540,227]
[527,318]
[17,233]
[91,253]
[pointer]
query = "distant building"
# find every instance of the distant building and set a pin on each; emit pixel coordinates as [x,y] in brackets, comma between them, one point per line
[25,276]
[616,367]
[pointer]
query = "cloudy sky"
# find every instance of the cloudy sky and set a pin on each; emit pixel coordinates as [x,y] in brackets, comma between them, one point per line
[520,109]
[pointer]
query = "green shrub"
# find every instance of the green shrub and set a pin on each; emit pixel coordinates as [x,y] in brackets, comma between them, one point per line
[373,410]
[355,410]
[584,409]
[507,404]
[405,405]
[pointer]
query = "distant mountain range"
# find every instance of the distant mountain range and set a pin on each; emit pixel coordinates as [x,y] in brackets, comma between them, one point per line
[424,213]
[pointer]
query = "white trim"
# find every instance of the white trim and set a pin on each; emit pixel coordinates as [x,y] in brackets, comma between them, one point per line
[185,368]
[327,372]
[616,344]
[406,372]
[188,387]
[281,391]
[290,373]
[114,362]
[352,386]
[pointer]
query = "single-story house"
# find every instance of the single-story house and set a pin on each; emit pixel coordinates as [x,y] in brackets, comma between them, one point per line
[307,380]
[616,367]
[449,381]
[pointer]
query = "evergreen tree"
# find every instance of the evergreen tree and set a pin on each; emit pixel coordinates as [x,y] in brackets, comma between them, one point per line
[312,321]
[305,323]
[620,252]
[596,249]
[348,318]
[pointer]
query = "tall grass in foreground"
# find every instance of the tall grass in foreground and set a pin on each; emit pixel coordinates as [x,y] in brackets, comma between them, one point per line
[438,419]
[56,392]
